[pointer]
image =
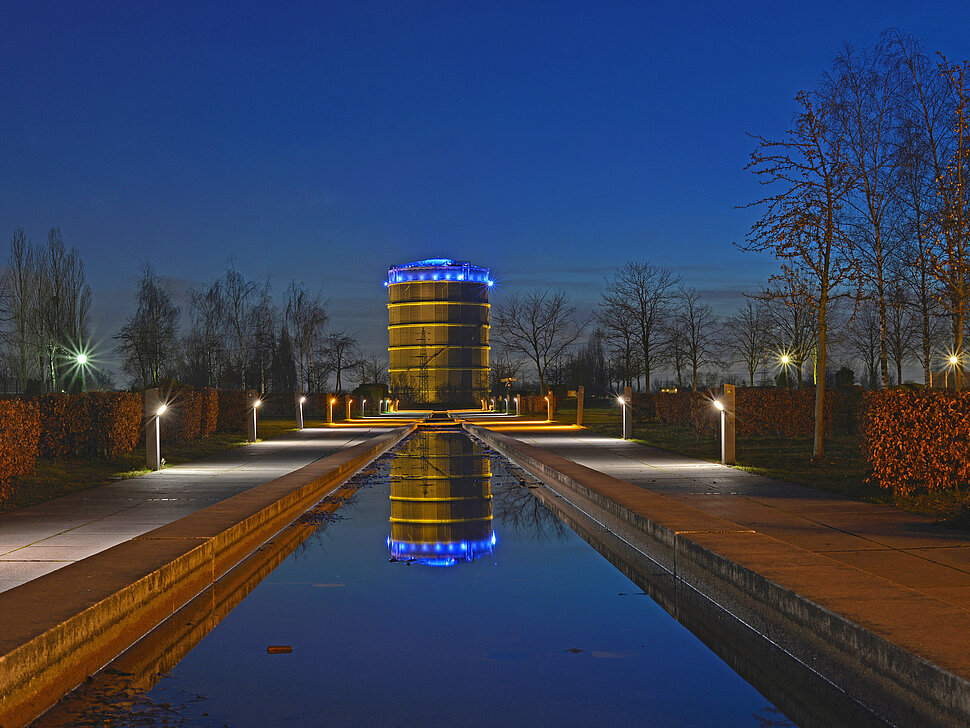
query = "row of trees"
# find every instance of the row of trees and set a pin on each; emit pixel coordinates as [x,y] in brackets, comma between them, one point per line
[45,309]
[240,337]
[867,212]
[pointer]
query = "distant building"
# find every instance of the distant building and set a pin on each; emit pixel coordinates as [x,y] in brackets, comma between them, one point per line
[438,323]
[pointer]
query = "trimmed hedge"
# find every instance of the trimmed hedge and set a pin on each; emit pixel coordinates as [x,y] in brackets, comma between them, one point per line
[915,439]
[183,420]
[209,403]
[117,422]
[234,405]
[535,404]
[19,438]
[762,411]
[88,425]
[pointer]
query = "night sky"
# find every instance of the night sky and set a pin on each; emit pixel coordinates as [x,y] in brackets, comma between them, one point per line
[327,141]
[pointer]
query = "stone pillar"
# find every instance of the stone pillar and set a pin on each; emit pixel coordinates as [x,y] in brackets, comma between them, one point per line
[580,400]
[727,425]
[151,404]
[627,413]
[299,399]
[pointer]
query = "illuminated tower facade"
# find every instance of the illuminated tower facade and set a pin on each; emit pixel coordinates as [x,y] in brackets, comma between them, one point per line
[438,323]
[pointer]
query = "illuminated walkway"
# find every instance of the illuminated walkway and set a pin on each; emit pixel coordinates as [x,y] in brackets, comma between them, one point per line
[41,539]
[898,574]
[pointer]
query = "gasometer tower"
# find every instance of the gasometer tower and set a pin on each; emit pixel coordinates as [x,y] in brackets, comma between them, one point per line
[438,323]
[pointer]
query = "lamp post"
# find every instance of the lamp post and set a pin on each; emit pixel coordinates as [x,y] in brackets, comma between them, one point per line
[330,411]
[362,403]
[622,415]
[251,423]
[580,402]
[348,402]
[548,407]
[726,406]
[516,405]
[300,399]
[154,408]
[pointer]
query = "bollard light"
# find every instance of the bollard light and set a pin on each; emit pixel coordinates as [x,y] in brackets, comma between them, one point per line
[362,403]
[156,456]
[623,417]
[299,412]
[330,418]
[251,425]
[726,406]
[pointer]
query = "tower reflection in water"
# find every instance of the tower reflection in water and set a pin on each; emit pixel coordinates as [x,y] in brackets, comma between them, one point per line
[441,500]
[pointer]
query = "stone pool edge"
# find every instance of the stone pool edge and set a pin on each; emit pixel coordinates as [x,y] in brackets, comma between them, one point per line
[58,629]
[899,686]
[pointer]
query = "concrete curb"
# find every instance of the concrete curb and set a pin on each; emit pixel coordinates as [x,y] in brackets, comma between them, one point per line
[896,685]
[58,629]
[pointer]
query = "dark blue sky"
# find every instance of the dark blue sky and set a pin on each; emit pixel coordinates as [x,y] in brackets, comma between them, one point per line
[326,141]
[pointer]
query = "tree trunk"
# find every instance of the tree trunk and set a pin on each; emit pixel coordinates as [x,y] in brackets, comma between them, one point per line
[818,446]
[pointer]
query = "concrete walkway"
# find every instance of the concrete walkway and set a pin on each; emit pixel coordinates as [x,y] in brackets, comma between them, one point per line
[896,573]
[46,537]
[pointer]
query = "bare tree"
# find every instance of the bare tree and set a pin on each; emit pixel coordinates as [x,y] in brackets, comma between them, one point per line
[698,328]
[644,292]
[748,337]
[619,329]
[20,285]
[237,305]
[64,305]
[902,327]
[540,325]
[936,103]
[865,88]
[305,320]
[800,224]
[205,345]
[263,329]
[149,339]
[340,351]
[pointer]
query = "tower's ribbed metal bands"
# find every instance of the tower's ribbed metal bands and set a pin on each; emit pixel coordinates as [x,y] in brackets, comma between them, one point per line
[438,323]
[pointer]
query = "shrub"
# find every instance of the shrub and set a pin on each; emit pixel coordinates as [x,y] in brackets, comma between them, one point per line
[916,439]
[183,419]
[116,422]
[65,425]
[644,407]
[234,406]
[19,439]
[209,405]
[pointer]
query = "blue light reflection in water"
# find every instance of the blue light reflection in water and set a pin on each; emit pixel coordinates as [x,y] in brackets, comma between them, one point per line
[541,631]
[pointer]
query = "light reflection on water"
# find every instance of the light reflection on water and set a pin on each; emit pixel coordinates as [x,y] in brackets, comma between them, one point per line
[535,629]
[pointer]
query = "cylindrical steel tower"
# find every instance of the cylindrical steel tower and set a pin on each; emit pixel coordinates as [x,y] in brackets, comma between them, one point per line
[438,321]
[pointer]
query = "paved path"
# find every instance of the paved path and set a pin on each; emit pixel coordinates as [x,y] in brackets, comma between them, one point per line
[896,573]
[37,540]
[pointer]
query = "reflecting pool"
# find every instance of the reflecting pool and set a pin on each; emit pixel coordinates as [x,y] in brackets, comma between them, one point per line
[433,589]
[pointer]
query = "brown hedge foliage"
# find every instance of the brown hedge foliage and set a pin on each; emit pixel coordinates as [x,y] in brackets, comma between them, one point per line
[65,426]
[234,405]
[19,438]
[88,425]
[535,404]
[183,419]
[674,408]
[116,423]
[209,403]
[761,411]
[644,407]
[916,439]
